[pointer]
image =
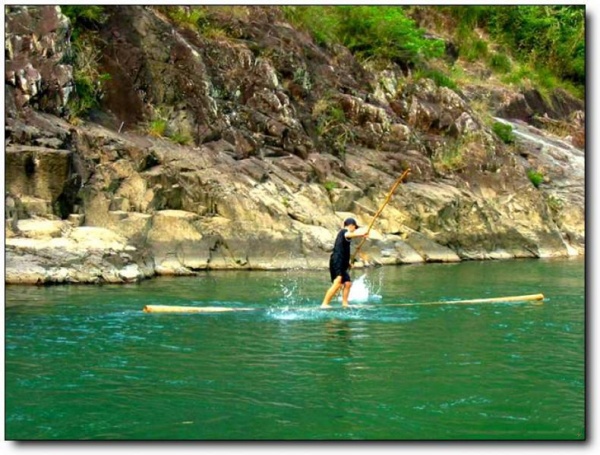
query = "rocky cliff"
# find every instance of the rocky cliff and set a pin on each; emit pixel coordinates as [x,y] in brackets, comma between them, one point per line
[269,141]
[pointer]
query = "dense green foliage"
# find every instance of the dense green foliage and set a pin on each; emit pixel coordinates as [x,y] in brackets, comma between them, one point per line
[438,77]
[504,132]
[83,17]
[545,43]
[535,177]
[544,36]
[88,82]
[380,32]
[84,57]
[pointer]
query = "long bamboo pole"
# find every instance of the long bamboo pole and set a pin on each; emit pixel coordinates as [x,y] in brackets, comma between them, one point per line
[191,309]
[538,299]
[385,202]
[516,298]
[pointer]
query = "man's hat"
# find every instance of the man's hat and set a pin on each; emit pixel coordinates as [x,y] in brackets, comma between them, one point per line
[349,221]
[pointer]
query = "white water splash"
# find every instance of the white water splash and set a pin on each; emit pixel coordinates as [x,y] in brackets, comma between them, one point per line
[289,289]
[360,291]
[292,293]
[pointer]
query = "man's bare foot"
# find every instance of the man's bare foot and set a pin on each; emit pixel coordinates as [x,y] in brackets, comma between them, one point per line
[325,306]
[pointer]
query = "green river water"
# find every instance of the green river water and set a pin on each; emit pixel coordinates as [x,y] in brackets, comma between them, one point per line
[85,362]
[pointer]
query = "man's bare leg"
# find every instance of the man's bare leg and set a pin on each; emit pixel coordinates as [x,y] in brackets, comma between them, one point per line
[346,293]
[335,287]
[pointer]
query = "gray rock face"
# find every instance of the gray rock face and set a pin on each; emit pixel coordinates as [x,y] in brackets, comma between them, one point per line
[36,43]
[285,142]
[58,253]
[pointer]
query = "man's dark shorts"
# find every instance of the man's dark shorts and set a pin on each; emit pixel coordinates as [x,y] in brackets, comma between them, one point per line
[336,270]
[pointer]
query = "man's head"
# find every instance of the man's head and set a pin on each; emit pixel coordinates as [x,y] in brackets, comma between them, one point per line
[350,223]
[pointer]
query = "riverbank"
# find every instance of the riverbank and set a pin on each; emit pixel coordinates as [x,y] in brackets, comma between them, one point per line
[257,169]
[57,252]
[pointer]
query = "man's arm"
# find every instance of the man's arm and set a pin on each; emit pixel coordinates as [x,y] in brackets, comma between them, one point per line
[351,235]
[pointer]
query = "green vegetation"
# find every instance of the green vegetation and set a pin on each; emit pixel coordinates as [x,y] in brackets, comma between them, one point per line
[159,126]
[555,204]
[180,138]
[476,50]
[329,186]
[504,132]
[332,125]
[369,32]
[88,79]
[543,45]
[83,18]
[518,75]
[467,149]
[550,37]
[85,59]
[438,77]
[535,177]
[451,158]
[316,20]
[214,22]
[190,17]
[500,63]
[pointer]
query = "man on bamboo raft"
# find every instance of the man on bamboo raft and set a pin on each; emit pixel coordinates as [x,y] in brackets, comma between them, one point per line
[339,263]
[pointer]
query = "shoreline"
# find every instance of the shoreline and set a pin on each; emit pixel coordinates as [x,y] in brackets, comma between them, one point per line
[197,273]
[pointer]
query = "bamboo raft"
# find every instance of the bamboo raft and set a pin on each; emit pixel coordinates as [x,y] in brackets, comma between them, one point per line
[537,299]
[191,309]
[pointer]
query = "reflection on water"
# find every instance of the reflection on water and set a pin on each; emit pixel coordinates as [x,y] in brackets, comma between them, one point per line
[85,362]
